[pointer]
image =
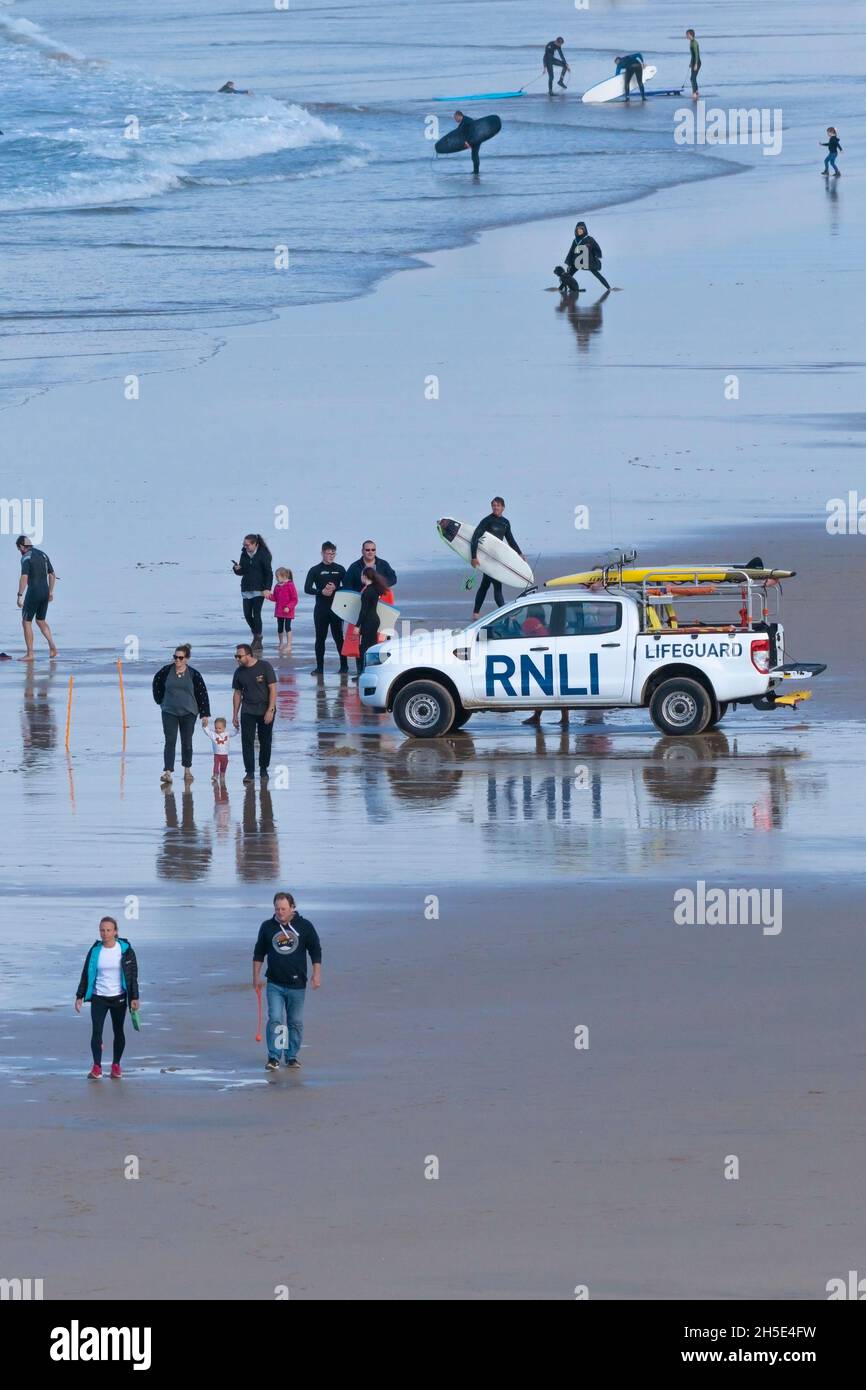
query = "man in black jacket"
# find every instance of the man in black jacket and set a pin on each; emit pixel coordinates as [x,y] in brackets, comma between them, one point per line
[286,939]
[368,557]
[498,525]
[324,580]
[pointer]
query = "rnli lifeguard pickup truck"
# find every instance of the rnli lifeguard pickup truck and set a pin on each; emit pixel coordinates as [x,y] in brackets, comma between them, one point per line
[686,642]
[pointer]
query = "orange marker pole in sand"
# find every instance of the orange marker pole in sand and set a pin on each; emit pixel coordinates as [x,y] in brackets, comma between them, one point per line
[69,711]
[259,1029]
[123,724]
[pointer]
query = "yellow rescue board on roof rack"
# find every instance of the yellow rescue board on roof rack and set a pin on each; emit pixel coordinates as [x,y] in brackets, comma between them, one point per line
[667,574]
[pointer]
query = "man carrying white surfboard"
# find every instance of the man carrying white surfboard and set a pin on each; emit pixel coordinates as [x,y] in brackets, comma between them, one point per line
[498,525]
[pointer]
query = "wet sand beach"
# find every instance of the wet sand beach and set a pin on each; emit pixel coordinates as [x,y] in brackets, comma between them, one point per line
[554,856]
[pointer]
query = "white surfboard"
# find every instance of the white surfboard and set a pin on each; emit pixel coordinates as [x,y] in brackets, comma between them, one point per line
[347,605]
[614,87]
[495,557]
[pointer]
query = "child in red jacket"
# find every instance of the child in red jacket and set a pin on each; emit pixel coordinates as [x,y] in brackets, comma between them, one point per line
[284,596]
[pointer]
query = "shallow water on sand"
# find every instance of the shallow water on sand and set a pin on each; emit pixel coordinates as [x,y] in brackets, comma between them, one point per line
[353,806]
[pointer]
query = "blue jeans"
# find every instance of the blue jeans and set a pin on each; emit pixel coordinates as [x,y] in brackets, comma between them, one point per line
[831,159]
[288,1004]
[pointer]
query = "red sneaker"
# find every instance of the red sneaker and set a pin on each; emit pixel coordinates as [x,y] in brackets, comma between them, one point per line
[95,1072]
[116,1073]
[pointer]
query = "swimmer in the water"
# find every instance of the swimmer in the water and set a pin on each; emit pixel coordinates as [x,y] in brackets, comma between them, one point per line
[235,91]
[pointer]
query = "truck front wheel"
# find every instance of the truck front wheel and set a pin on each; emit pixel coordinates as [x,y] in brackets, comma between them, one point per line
[424,709]
[680,706]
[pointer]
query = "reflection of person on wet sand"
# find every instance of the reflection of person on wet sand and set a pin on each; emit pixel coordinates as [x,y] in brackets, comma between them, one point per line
[584,320]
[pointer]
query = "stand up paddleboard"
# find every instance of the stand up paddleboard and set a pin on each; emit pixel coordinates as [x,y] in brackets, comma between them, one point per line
[455,141]
[614,87]
[669,574]
[483,96]
[495,557]
[347,605]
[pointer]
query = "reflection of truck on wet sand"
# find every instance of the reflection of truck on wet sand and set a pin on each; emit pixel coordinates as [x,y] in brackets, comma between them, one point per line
[686,651]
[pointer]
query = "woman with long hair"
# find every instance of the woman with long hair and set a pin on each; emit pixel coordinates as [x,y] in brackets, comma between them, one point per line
[182,696]
[109,982]
[373,587]
[255,568]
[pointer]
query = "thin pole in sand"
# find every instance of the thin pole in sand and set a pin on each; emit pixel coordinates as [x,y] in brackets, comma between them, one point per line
[69,711]
[123,722]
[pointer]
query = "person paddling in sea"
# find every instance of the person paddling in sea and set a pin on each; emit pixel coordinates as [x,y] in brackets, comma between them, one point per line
[109,982]
[234,91]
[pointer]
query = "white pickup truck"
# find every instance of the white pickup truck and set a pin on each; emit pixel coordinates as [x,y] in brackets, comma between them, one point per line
[609,646]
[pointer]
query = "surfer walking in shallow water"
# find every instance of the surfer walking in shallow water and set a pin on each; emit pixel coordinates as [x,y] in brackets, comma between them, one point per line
[551,61]
[467,128]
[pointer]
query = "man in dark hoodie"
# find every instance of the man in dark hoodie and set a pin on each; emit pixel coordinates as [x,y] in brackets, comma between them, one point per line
[285,940]
[584,254]
[497,524]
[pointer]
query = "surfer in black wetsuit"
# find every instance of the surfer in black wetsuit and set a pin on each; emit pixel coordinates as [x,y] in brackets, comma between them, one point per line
[584,254]
[498,525]
[631,65]
[235,91]
[467,129]
[324,580]
[551,61]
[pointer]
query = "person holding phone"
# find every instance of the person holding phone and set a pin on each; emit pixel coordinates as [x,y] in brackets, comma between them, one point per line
[255,568]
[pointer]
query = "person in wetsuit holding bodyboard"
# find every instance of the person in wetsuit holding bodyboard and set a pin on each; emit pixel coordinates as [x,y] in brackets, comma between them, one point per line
[470,135]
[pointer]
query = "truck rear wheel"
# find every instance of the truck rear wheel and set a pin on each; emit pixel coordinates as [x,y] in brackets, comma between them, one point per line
[424,709]
[680,706]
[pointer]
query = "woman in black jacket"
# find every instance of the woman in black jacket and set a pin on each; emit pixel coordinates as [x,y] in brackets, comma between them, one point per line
[373,586]
[256,571]
[109,981]
[181,694]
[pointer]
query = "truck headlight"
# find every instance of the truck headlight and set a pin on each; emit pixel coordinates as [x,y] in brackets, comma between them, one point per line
[376,656]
